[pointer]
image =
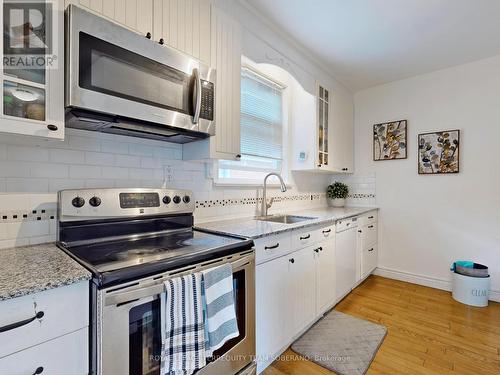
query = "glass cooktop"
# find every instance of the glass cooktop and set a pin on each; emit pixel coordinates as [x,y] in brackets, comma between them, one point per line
[118,254]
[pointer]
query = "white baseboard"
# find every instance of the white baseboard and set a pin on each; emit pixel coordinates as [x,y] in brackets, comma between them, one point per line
[429,281]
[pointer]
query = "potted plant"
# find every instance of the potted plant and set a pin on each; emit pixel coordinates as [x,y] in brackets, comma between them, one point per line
[337,194]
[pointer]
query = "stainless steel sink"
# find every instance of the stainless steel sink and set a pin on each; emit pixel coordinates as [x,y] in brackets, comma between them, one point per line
[284,219]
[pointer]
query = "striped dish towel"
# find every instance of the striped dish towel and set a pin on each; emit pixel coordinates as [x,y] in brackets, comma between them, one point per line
[218,306]
[183,333]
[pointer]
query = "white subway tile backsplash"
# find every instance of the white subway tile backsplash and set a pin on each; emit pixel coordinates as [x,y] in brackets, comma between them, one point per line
[26,153]
[115,172]
[85,171]
[99,158]
[128,161]
[84,143]
[49,170]
[14,169]
[140,173]
[140,150]
[66,156]
[22,185]
[61,184]
[114,147]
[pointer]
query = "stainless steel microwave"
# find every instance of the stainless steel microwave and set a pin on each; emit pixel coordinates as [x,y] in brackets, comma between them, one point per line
[118,81]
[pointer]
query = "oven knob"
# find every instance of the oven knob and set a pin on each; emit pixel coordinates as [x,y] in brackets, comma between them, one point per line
[166,199]
[177,199]
[186,199]
[78,202]
[95,201]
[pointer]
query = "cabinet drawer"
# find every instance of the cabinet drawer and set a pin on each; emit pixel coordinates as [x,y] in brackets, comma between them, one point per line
[344,224]
[271,247]
[369,260]
[368,235]
[66,355]
[369,218]
[305,237]
[327,232]
[60,311]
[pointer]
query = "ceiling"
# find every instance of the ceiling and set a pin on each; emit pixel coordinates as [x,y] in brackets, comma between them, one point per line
[370,42]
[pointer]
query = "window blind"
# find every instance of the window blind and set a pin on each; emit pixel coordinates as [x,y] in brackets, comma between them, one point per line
[261,116]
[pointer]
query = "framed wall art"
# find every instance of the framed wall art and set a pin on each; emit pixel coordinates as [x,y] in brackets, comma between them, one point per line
[390,140]
[439,152]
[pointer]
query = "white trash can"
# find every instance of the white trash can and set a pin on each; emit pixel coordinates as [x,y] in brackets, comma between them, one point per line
[474,291]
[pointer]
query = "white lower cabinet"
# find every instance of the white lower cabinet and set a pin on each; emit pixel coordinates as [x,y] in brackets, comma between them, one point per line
[293,289]
[325,275]
[302,286]
[46,331]
[367,249]
[65,355]
[273,313]
[345,257]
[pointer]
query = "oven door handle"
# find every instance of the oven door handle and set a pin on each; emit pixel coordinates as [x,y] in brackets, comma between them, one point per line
[123,297]
[196,95]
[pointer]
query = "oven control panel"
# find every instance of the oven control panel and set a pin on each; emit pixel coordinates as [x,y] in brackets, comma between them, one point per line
[207,100]
[80,204]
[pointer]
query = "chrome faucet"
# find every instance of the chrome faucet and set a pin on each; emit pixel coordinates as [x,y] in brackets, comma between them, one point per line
[266,205]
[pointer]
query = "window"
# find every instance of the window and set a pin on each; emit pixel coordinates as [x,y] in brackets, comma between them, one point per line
[261,131]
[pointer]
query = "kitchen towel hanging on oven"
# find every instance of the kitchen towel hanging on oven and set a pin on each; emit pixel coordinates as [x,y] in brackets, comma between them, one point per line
[183,329]
[218,305]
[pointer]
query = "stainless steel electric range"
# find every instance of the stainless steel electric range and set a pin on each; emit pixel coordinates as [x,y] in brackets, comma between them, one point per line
[132,240]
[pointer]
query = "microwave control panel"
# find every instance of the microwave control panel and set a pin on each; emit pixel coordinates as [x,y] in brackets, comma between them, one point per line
[207,100]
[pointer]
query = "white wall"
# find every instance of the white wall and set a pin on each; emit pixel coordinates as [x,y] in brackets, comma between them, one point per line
[428,221]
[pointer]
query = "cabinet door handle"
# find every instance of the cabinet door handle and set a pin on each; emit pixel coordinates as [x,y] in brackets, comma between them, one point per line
[161,41]
[316,250]
[52,127]
[238,156]
[370,217]
[320,248]
[148,35]
[305,237]
[38,371]
[291,260]
[371,249]
[327,231]
[370,226]
[360,231]
[272,247]
[8,327]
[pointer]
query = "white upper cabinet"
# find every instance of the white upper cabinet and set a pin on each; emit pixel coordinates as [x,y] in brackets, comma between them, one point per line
[33,98]
[181,24]
[226,59]
[322,139]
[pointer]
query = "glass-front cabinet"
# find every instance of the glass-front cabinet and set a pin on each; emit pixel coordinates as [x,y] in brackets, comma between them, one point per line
[32,74]
[323,109]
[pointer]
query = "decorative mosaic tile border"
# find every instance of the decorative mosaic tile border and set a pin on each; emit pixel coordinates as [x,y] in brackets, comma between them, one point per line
[254,201]
[17,216]
[360,196]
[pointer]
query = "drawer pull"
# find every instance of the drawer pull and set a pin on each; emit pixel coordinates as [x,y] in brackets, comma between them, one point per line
[291,260]
[371,249]
[370,226]
[305,237]
[272,247]
[370,217]
[316,250]
[8,327]
[360,231]
[327,231]
[38,371]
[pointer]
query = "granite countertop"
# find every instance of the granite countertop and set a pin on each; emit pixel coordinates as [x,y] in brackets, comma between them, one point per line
[31,269]
[250,228]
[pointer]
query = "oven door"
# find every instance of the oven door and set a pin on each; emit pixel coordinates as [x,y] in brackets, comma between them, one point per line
[114,71]
[130,336]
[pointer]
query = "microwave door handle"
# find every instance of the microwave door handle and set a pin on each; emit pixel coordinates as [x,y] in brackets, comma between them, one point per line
[197,96]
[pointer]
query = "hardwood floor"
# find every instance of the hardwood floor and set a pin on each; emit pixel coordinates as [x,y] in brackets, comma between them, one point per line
[428,332]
